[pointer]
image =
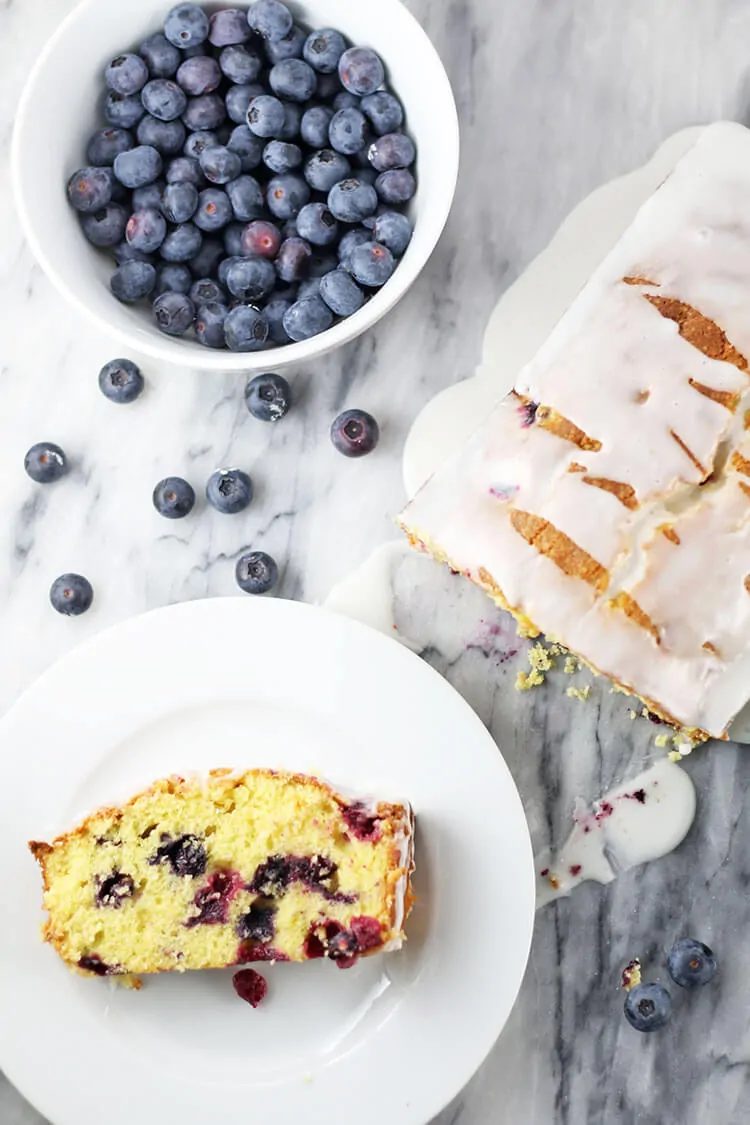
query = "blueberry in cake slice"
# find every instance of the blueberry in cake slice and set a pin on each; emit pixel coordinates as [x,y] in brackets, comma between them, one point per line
[227,870]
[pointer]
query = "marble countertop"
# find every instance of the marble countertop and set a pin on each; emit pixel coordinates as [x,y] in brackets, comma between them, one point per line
[554,99]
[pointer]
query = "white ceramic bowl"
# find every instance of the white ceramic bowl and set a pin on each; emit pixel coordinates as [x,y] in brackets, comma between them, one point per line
[60,108]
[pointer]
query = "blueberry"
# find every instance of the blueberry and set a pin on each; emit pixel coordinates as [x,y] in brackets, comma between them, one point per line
[121,381]
[323,49]
[321,264]
[246,329]
[126,74]
[132,280]
[199,75]
[293,79]
[347,131]
[145,230]
[229,490]
[240,64]
[345,100]
[164,99]
[196,143]
[71,594]
[286,195]
[256,572]
[204,113]
[186,25]
[392,150]
[166,136]
[293,259]
[124,110]
[162,57]
[124,252]
[228,27]
[45,462]
[105,144]
[105,227]
[281,156]
[219,165]
[173,313]
[238,100]
[186,855]
[173,498]
[328,86]
[275,311]
[209,324]
[248,147]
[246,197]
[265,116]
[361,71]
[270,18]
[115,889]
[314,125]
[290,47]
[261,239]
[251,279]
[342,295]
[206,261]
[213,211]
[257,924]
[232,236]
[185,170]
[268,397]
[372,264]
[178,202]
[326,168]
[395,186]
[224,266]
[355,433]
[392,229]
[384,112]
[205,290]
[307,317]
[308,288]
[691,963]
[181,244]
[648,1007]
[148,197]
[317,225]
[138,166]
[352,201]
[366,176]
[172,277]
[90,189]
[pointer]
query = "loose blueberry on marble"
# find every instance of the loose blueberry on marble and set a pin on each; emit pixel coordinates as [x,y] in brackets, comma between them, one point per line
[691,963]
[186,26]
[174,498]
[132,281]
[229,490]
[45,462]
[250,986]
[256,572]
[173,313]
[268,397]
[648,1007]
[121,381]
[270,18]
[71,594]
[354,433]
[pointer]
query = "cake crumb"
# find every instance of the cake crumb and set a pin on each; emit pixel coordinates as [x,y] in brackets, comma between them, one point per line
[631,975]
[579,693]
[541,660]
[633,714]
[572,664]
[661,740]
[674,755]
[619,689]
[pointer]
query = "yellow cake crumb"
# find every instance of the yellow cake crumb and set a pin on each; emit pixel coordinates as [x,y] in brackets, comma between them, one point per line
[541,660]
[581,693]
[633,714]
[619,689]
[631,975]
[674,755]
[572,665]
[661,740]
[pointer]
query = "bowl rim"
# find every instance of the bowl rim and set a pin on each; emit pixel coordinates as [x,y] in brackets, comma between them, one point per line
[194,356]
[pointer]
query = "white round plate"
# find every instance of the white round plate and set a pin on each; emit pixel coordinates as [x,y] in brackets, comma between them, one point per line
[242,683]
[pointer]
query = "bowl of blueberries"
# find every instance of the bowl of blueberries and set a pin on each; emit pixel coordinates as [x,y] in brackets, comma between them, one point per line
[213,183]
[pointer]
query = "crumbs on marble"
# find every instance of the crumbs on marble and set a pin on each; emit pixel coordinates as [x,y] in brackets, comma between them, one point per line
[631,975]
[619,689]
[579,693]
[633,714]
[572,665]
[541,660]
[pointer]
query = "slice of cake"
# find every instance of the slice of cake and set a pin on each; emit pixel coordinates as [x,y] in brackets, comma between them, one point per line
[606,501]
[206,873]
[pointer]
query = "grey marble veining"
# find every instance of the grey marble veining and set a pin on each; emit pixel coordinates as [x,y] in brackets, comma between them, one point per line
[555,97]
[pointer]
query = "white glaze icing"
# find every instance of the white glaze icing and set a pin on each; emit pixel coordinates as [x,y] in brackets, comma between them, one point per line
[641,820]
[692,237]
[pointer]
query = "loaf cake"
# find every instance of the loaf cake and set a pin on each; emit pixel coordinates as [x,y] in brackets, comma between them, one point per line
[227,870]
[606,501]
